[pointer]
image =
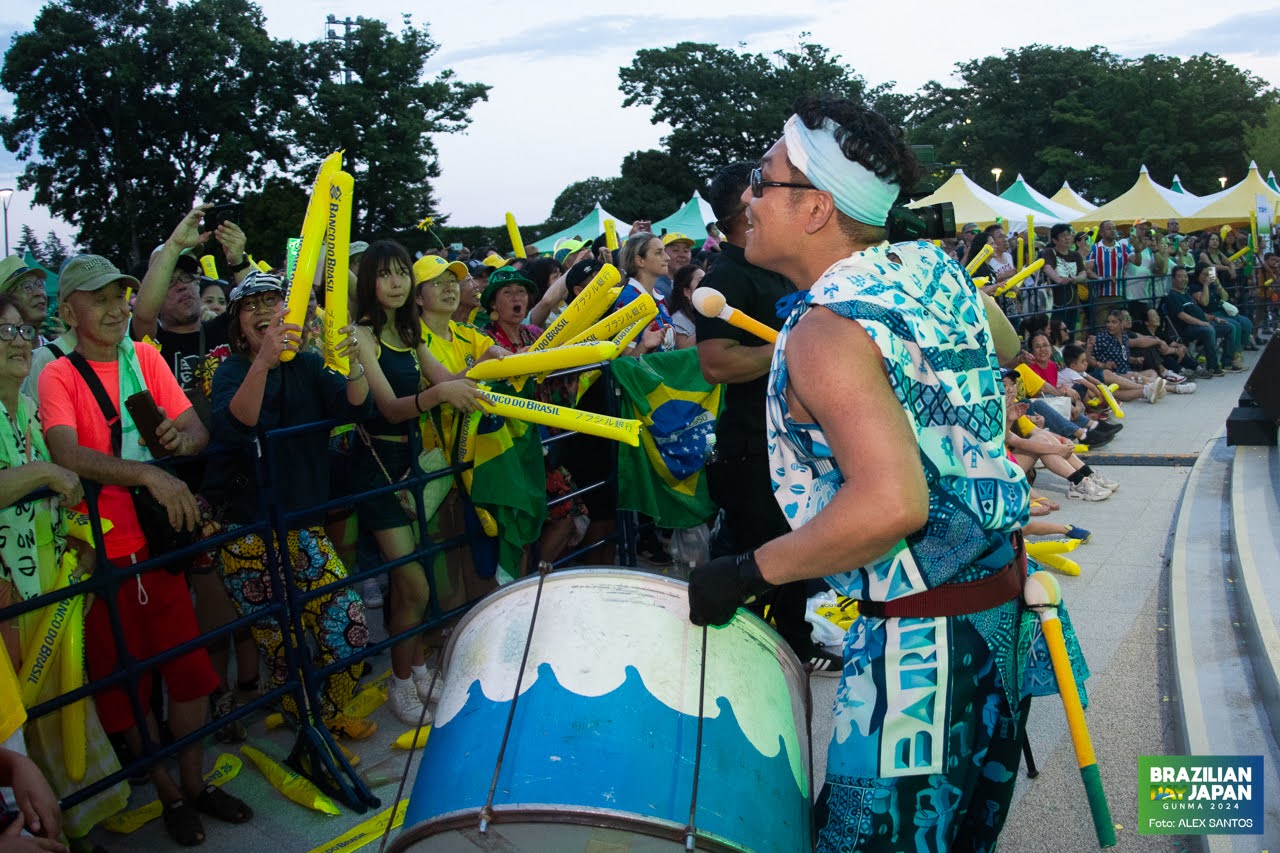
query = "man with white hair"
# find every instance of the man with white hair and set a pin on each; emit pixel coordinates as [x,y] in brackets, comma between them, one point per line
[886,438]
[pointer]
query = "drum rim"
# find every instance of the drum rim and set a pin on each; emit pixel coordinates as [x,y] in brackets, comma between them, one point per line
[792,667]
[551,813]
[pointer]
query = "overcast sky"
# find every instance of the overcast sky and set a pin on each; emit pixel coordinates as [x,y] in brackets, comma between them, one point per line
[555,115]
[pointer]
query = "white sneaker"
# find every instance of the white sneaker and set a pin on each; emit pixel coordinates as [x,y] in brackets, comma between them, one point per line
[403,698]
[1087,490]
[1160,387]
[1185,388]
[1109,485]
[1173,377]
[424,684]
[371,593]
[1149,393]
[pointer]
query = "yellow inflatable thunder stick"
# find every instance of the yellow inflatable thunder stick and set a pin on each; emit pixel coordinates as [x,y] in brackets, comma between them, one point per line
[978,259]
[642,307]
[710,302]
[1050,554]
[1043,595]
[226,768]
[209,266]
[1240,254]
[1112,404]
[611,235]
[1031,380]
[534,363]
[49,635]
[313,228]
[297,788]
[1080,448]
[1253,230]
[1031,237]
[626,430]
[75,756]
[1020,260]
[584,310]
[466,452]
[1024,425]
[624,338]
[1019,277]
[262,266]
[407,740]
[513,232]
[337,236]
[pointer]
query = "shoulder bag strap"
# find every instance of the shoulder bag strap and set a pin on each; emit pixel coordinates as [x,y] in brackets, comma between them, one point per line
[100,394]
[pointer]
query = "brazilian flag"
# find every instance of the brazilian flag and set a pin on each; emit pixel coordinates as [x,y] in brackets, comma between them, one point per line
[677,409]
[510,481]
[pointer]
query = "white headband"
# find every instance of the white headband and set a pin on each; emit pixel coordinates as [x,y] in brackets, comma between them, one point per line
[858,192]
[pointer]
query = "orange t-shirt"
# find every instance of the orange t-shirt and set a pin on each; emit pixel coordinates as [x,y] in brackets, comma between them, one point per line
[65,400]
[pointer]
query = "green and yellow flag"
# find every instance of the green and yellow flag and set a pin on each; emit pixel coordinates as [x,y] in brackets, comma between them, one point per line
[663,477]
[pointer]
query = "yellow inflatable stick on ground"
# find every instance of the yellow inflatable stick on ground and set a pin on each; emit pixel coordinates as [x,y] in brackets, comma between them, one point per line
[337,236]
[1049,554]
[297,788]
[407,741]
[71,677]
[226,768]
[313,228]
[513,232]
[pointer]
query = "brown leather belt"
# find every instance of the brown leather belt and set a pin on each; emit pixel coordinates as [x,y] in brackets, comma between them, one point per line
[958,599]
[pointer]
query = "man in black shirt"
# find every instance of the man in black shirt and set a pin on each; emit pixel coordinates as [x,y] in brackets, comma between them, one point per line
[739,478]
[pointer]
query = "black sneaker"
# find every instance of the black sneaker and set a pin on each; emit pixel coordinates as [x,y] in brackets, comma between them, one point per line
[823,663]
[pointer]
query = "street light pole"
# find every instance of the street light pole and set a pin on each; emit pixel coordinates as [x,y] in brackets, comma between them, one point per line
[1223,181]
[997,171]
[6,195]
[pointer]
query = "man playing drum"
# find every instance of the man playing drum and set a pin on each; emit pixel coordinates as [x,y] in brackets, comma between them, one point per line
[887,453]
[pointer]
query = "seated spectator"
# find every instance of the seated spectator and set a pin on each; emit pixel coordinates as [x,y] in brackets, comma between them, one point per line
[1148,352]
[1155,324]
[155,609]
[1213,256]
[398,362]
[254,391]
[29,570]
[1074,425]
[1109,349]
[1209,294]
[27,286]
[685,282]
[1085,379]
[1057,454]
[1192,324]
[1059,335]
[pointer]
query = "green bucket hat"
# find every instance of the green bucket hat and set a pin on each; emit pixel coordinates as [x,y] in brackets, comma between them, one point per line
[500,279]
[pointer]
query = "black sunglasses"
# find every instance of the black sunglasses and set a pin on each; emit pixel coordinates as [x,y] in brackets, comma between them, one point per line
[758,183]
[10,332]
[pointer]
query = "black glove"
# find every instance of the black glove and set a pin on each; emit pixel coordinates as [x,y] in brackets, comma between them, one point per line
[718,587]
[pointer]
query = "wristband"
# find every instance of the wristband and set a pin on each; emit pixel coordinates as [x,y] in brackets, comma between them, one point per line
[417,402]
[358,376]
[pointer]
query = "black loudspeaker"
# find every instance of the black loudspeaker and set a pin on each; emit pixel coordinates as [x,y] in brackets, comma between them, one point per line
[1263,383]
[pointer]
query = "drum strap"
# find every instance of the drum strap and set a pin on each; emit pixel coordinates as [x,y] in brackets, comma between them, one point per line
[958,599]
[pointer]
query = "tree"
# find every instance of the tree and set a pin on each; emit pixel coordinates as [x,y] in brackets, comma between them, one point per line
[128,111]
[1054,114]
[727,105]
[29,242]
[53,252]
[1263,141]
[271,216]
[576,201]
[384,119]
[654,184]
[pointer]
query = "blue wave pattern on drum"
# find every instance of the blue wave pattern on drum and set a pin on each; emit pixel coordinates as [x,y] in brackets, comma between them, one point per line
[579,751]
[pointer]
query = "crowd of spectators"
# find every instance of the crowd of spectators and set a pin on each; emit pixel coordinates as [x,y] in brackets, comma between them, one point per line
[1132,318]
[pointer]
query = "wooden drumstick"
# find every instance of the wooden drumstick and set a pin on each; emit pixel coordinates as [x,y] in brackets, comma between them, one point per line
[710,302]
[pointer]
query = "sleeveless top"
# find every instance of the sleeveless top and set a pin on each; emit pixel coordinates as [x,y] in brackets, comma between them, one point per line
[924,314]
[400,366]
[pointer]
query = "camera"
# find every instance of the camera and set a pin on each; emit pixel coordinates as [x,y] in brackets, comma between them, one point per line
[932,222]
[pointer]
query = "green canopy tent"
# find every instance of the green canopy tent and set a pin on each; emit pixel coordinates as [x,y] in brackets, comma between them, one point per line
[1271,181]
[588,227]
[1177,187]
[690,220]
[1024,194]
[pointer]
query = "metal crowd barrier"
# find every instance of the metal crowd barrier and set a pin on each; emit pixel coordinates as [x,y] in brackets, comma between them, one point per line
[314,754]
